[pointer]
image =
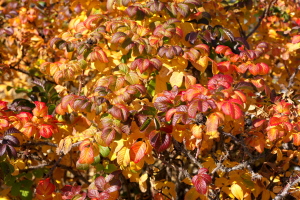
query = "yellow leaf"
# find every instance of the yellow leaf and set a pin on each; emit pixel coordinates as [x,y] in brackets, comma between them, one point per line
[237,191]
[213,122]
[187,181]
[266,194]
[215,69]
[189,80]
[201,63]
[192,194]
[176,78]
[143,183]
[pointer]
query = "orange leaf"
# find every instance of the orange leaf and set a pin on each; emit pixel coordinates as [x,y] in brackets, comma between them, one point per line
[137,151]
[86,152]
[296,138]
[212,124]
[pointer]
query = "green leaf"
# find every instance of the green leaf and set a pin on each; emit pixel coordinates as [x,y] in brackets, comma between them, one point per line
[156,123]
[20,90]
[147,110]
[51,108]
[25,189]
[97,159]
[104,151]
[82,166]
[9,180]
[110,168]
[15,189]
[151,87]
[38,173]
[145,124]
[9,88]
[99,167]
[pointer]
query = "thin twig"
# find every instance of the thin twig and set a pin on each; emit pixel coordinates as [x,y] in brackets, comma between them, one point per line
[28,74]
[265,13]
[240,142]
[38,143]
[285,190]
[186,152]
[54,166]
[292,77]
[76,174]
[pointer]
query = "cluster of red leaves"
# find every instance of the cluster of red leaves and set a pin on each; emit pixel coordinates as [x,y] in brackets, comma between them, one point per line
[38,124]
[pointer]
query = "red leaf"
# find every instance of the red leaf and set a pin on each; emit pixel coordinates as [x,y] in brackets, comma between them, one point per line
[283,107]
[44,187]
[224,67]
[258,122]
[201,181]
[29,129]
[263,68]
[160,141]
[220,80]
[138,151]
[242,68]
[40,109]
[170,113]
[275,121]
[24,117]
[195,90]
[296,39]
[47,130]
[231,109]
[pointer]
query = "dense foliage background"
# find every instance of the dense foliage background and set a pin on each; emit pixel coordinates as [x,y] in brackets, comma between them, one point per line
[158,99]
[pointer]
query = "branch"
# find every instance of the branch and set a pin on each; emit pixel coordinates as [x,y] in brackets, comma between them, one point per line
[292,77]
[46,143]
[240,142]
[28,74]
[54,166]
[265,13]
[38,143]
[285,190]
[186,152]
[29,168]
[75,173]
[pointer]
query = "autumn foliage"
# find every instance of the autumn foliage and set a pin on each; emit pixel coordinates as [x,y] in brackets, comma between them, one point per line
[159,99]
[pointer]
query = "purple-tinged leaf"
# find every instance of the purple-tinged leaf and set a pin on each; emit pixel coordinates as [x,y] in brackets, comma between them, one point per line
[2,149]
[12,140]
[11,151]
[108,135]
[118,37]
[183,9]
[100,183]
[193,108]
[92,193]
[160,141]
[11,131]
[131,11]
[112,189]
[104,196]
